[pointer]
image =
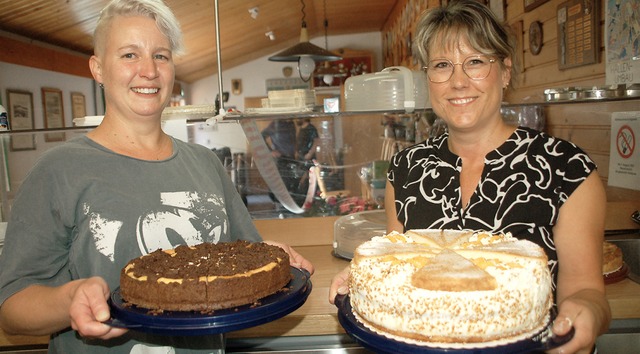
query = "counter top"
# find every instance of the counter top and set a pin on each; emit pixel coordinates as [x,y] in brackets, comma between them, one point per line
[318,317]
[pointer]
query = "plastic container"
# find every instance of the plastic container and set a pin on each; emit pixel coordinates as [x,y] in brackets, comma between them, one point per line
[351,230]
[393,88]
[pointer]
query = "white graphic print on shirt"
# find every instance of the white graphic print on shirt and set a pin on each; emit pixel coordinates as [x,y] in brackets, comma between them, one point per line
[181,218]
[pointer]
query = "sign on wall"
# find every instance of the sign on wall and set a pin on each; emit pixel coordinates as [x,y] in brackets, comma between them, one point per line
[577,33]
[624,156]
[621,42]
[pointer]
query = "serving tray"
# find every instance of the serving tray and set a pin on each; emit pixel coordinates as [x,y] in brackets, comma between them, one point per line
[185,323]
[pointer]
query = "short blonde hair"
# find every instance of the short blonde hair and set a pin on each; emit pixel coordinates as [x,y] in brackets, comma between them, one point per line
[155,9]
[463,19]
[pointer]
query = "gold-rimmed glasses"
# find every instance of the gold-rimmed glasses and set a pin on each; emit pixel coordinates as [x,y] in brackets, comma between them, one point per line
[476,67]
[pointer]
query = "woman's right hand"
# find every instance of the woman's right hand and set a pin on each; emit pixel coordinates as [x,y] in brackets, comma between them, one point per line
[339,284]
[89,309]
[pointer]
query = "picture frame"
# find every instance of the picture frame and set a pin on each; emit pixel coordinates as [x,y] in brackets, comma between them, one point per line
[78,105]
[532,4]
[236,86]
[53,111]
[578,34]
[499,8]
[21,117]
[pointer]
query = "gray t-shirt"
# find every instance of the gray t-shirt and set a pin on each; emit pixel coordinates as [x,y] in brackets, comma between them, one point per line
[84,210]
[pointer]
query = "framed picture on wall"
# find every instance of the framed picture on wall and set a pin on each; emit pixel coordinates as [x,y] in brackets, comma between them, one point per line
[53,111]
[20,110]
[532,4]
[78,105]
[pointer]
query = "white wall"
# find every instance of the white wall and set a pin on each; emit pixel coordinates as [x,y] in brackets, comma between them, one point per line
[254,75]
[18,77]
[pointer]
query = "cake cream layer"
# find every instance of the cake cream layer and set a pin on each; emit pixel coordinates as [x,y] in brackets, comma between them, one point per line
[130,272]
[387,291]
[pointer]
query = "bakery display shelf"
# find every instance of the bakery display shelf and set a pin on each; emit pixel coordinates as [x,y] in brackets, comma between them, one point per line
[189,323]
[309,114]
[234,116]
[381,344]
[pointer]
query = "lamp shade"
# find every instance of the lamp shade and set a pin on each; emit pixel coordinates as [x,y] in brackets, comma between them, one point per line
[305,49]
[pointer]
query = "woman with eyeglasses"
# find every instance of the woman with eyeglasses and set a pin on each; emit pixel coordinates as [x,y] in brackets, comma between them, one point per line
[484,174]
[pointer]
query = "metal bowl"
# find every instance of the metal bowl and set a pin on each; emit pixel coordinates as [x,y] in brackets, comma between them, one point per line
[599,93]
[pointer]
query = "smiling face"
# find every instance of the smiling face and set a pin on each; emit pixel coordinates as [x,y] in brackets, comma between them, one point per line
[466,104]
[135,64]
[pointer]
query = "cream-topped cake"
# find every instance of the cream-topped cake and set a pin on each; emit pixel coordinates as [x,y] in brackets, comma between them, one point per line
[451,286]
[611,258]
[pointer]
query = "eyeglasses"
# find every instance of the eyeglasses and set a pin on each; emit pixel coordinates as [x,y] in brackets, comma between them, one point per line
[477,67]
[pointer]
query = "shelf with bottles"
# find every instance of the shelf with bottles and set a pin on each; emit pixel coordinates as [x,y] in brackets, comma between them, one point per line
[334,73]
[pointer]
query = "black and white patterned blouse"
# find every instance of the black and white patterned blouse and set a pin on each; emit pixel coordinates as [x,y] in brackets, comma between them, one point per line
[524,183]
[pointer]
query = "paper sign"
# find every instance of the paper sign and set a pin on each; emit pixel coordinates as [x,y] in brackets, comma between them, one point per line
[624,157]
[621,38]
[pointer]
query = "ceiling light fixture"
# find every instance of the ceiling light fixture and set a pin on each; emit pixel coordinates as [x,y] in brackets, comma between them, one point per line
[326,71]
[305,53]
[270,35]
[254,12]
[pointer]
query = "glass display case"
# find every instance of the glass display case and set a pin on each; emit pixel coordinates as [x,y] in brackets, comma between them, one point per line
[338,177]
[338,163]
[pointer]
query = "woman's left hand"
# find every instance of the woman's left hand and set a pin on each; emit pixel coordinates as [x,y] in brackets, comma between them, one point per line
[580,312]
[580,293]
[296,258]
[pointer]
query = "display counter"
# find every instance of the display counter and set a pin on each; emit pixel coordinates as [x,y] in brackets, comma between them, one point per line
[313,238]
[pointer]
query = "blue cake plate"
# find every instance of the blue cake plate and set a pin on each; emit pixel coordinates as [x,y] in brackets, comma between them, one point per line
[181,323]
[381,344]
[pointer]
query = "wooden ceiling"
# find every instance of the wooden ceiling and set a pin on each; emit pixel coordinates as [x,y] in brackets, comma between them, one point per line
[70,23]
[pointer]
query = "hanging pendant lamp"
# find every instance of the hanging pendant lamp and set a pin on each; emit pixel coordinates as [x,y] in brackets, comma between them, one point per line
[327,72]
[305,53]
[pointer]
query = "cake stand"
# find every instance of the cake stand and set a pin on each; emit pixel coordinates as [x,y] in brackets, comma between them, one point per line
[382,344]
[218,322]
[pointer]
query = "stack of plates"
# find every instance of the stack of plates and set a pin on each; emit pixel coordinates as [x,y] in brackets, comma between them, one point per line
[190,111]
[88,121]
[291,98]
[286,101]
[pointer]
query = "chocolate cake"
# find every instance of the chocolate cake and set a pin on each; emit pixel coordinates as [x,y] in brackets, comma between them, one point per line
[205,277]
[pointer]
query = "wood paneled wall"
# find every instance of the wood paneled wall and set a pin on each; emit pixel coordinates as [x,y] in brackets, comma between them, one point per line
[41,57]
[586,124]
[541,71]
